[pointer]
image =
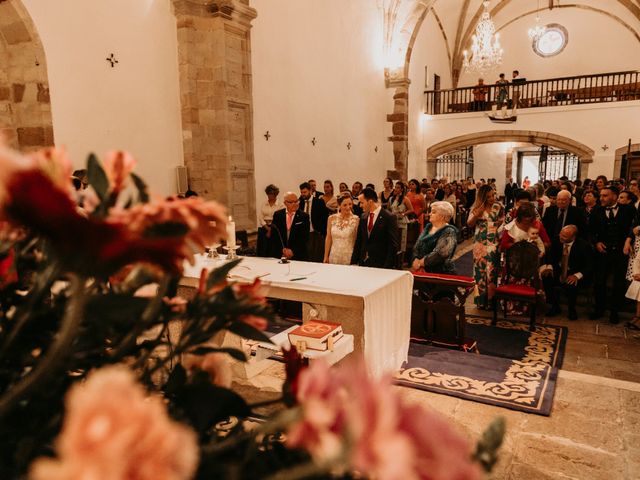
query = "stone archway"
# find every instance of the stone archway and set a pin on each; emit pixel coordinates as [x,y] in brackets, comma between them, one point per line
[584,153]
[25,109]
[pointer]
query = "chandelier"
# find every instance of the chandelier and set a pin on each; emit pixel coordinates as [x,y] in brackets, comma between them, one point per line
[536,32]
[486,51]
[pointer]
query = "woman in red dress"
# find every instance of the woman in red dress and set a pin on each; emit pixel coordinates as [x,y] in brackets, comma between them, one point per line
[417,201]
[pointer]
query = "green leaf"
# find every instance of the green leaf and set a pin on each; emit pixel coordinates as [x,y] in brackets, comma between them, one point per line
[247,331]
[220,274]
[143,194]
[233,352]
[487,448]
[97,177]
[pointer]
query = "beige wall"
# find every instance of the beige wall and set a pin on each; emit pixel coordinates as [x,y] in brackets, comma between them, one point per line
[318,72]
[134,106]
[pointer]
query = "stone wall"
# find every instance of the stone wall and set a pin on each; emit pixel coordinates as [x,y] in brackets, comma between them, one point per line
[25,109]
[216,102]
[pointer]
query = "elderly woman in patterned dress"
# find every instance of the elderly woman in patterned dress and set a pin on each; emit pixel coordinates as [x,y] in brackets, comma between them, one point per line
[486,216]
[437,243]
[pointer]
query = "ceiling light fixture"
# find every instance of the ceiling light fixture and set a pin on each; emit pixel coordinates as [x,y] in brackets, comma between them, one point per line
[486,51]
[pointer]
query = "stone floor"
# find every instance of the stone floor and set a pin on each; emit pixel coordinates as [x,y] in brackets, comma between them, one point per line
[593,431]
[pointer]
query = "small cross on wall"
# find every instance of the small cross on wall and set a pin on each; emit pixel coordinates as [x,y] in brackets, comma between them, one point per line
[349,146]
[112,60]
[376,149]
[313,141]
[267,136]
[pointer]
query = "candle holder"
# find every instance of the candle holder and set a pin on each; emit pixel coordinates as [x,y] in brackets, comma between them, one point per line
[212,251]
[231,252]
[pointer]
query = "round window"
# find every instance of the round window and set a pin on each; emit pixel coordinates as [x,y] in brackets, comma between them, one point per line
[552,41]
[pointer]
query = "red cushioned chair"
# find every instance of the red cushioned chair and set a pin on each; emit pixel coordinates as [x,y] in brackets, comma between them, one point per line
[522,262]
[437,310]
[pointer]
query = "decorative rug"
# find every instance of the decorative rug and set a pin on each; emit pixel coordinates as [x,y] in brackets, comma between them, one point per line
[516,368]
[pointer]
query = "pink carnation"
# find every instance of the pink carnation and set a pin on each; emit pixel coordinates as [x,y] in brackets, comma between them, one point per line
[206,220]
[118,165]
[113,431]
[364,424]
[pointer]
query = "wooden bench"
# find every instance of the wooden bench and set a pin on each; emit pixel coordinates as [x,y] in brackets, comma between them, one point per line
[589,94]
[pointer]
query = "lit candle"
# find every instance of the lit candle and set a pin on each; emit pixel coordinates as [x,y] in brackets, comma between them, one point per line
[231,233]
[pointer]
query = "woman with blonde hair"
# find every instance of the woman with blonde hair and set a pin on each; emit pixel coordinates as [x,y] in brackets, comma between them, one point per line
[486,216]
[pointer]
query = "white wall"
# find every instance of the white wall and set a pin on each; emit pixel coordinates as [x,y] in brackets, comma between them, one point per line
[318,72]
[429,51]
[489,162]
[134,106]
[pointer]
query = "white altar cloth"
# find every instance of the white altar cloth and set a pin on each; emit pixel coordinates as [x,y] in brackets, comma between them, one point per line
[381,298]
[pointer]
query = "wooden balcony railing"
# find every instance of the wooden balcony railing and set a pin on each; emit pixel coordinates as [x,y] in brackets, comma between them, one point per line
[603,87]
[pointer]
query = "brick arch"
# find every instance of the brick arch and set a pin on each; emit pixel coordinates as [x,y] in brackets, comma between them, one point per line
[25,109]
[584,153]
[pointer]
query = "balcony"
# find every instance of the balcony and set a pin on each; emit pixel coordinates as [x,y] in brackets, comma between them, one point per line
[600,88]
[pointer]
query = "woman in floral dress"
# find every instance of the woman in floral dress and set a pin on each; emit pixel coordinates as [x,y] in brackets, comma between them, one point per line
[486,216]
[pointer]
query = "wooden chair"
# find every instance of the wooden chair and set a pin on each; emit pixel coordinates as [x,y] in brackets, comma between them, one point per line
[521,269]
[437,310]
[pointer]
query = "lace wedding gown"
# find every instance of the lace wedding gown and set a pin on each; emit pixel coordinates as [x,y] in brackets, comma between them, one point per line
[343,237]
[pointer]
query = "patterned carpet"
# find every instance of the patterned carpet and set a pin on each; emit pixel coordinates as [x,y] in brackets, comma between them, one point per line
[515,369]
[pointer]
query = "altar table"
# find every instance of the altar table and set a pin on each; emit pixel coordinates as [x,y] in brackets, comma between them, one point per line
[372,304]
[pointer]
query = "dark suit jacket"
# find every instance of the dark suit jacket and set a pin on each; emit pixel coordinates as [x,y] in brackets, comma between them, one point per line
[624,220]
[574,216]
[580,259]
[319,214]
[380,248]
[298,236]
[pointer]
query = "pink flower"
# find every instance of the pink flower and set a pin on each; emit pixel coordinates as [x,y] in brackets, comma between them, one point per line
[363,425]
[254,321]
[113,431]
[205,220]
[217,365]
[118,165]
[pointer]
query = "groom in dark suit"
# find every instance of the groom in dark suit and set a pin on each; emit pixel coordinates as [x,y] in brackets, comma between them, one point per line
[377,240]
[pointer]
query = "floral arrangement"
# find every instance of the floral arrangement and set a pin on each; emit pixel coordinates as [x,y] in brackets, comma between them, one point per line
[94,383]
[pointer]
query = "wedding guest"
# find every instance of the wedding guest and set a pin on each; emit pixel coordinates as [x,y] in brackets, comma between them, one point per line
[568,266]
[318,214]
[290,230]
[434,249]
[400,206]
[330,200]
[342,229]
[479,96]
[343,187]
[590,201]
[314,192]
[503,90]
[486,216]
[417,200]
[271,206]
[526,183]
[561,214]
[600,182]
[610,226]
[386,193]
[450,196]
[355,196]
[633,292]
[267,210]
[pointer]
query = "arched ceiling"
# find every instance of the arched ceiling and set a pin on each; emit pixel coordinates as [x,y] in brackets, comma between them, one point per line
[457,20]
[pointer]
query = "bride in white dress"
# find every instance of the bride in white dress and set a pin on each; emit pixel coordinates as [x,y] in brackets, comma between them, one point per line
[341,233]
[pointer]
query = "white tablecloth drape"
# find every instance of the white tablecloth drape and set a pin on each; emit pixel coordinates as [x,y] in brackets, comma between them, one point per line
[385,299]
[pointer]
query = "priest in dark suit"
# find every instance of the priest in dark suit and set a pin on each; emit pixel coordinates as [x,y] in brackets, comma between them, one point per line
[377,242]
[290,231]
[568,267]
[610,225]
[557,216]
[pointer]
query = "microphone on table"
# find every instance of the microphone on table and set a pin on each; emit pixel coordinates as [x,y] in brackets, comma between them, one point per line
[283,259]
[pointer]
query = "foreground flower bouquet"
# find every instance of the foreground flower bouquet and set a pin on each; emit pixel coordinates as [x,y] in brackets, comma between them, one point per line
[106,373]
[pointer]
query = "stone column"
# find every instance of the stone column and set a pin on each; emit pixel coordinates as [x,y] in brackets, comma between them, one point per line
[214,54]
[399,120]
